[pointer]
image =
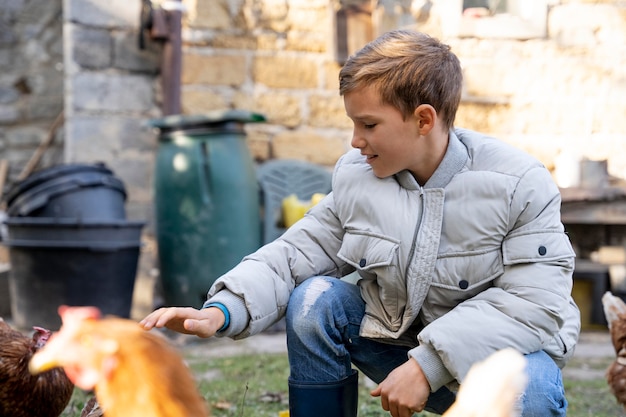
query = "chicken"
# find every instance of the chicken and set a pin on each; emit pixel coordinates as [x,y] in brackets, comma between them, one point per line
[492,387]
[615,312]
[134,373]
[22,394]
[92,409]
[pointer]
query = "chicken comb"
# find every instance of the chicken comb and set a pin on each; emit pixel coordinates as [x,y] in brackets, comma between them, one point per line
[72,317]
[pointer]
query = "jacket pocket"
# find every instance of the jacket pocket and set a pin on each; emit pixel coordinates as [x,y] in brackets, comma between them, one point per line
[366,252]
[537,247]
[460,277]
[467,272]
[382,285]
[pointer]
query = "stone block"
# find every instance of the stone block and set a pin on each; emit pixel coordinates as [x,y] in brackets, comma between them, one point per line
[8,94]
[107,137]
[501,82]
[587,25]
[307,41]
[307,145]
[483,117]
[24,136]
[228,70]
[259,142]
[213,14]
[271,15]
[44,107]
[281,109]
[608,118]
[112,92]
[331,76]
[91,48]
[328,111]
[45,80]
[9,114]
[9,59]
[245,42]
[128,56]
[115,14]
[243,99]
[285,72]
[268,42]
[134,134]
[92,139]
[309,18]
[201,100]
[135,169]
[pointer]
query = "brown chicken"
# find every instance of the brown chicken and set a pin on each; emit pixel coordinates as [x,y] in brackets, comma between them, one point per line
[615,312]
[134,373]
[492,387]
[22,394]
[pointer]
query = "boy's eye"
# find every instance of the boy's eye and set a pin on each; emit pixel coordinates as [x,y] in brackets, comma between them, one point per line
[369,126]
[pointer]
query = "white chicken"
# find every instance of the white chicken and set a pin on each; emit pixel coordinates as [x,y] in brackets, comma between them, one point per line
[492,387]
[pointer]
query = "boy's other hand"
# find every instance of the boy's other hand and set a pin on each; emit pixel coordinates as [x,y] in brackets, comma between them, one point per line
[404,391]
[202,323]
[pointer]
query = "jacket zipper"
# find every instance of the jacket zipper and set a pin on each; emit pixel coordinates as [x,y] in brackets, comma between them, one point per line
[414,243]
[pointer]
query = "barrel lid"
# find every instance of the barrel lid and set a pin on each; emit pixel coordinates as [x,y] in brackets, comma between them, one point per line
[215,118]
[47,174]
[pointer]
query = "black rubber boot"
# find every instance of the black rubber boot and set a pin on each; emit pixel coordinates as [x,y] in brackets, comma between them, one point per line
[326,399]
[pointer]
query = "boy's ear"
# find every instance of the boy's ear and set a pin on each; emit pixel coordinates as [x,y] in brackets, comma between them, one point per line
[426,117]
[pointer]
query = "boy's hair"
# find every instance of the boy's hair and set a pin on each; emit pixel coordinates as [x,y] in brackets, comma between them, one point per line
[407,68]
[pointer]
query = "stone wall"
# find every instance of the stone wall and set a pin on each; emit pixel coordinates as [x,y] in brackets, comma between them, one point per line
[561,92]
[112,90]
[31,80]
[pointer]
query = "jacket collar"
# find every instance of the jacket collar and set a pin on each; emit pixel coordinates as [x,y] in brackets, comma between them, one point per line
[453,161]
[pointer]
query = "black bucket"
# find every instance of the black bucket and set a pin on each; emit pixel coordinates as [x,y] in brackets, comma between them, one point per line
[55,262]
[79,191]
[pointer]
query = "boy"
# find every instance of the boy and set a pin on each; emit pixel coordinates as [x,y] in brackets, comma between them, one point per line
[456,239]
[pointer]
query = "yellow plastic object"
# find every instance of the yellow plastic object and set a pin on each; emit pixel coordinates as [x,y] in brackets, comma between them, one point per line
[283,413]
[294,208]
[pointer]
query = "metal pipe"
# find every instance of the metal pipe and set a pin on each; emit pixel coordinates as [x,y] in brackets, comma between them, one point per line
[171,64]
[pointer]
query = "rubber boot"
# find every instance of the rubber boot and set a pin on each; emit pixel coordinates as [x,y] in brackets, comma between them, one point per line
[326,399]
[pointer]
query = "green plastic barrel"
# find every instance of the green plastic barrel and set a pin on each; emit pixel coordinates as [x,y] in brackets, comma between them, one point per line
[207,210]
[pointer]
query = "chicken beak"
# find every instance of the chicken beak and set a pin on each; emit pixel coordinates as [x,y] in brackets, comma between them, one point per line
[42,361]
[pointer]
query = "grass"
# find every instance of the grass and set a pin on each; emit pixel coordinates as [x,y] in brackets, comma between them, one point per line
[256,386]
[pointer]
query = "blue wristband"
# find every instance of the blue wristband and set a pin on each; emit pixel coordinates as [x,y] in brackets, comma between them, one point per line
[224,310]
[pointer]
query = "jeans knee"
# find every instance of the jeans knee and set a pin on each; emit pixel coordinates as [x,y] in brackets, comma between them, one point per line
[544,395]
[307,303]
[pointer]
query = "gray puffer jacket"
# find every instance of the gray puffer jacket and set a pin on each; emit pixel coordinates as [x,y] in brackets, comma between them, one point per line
[473,261]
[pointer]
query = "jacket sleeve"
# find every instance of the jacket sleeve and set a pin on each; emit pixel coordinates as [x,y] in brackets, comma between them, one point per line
[527,305]
[262,283]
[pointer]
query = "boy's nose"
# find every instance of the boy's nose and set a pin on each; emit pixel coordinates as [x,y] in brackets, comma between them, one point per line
[357,141]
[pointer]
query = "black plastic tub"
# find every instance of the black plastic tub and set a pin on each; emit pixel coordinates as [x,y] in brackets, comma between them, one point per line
[56,262]
[79,191]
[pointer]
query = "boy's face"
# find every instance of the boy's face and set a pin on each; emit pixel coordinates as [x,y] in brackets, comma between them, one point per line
[390,143]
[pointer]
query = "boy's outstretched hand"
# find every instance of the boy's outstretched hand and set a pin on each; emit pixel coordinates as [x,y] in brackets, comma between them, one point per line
[202,323]
[404,391]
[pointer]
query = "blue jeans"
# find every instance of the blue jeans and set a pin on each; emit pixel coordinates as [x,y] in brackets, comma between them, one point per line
[323,319]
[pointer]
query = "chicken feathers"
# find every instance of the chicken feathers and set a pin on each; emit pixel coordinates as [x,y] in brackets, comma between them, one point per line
[615,312]
[492,387]
[134,373]
[22,394]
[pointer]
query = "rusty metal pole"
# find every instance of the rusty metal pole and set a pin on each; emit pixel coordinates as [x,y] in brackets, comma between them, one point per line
[171,65]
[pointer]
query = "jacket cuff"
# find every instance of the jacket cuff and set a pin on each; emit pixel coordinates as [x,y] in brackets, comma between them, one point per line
[238,313]
[432,366]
